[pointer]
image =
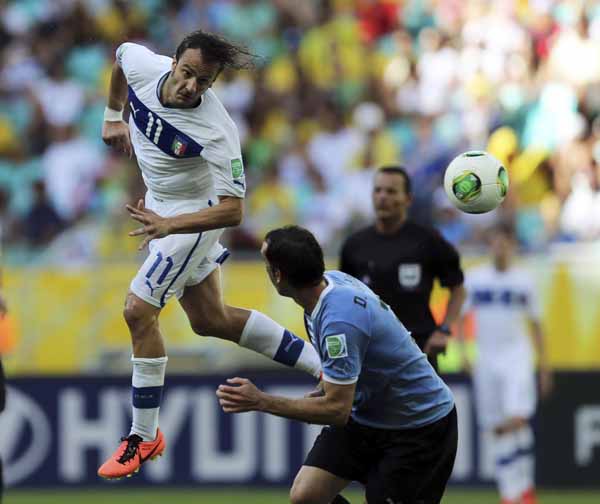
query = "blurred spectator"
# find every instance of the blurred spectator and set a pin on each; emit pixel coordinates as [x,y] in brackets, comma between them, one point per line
[41,223]
[340,87]
[71,167]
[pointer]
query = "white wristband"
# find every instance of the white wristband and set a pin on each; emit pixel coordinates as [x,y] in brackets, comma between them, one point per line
[112,115]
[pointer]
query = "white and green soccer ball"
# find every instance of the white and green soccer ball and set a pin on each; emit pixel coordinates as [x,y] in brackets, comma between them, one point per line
[476,182]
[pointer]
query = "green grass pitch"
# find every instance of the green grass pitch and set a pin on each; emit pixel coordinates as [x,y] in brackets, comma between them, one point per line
[177,496]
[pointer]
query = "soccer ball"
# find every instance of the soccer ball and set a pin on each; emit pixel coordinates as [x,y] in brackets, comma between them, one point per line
[476,182]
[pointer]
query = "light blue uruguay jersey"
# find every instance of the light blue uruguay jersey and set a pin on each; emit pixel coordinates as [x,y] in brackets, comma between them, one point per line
[359,339]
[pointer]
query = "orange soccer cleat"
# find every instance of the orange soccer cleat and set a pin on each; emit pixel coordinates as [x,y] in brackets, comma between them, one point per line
[130,455]
[529,497]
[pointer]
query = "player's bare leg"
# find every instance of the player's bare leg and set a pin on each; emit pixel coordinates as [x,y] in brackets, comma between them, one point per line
[515,461]
[313,485]
[209,316]
[145,441]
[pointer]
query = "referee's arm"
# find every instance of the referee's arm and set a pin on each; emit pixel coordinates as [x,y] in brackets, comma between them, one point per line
[446,266]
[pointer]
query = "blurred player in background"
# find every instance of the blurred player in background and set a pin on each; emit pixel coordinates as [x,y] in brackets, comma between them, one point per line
[506,307]
[400,259]
[391,419]
[2,394]
[189,154]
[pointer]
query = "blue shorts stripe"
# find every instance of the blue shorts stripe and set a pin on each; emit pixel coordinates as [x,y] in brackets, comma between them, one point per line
[508,459]
[223,257]
[289,350]
[146,397]
[187,260]
[154,265]
[165,272]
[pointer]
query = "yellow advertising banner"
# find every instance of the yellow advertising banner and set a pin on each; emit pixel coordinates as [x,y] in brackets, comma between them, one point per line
[63,321]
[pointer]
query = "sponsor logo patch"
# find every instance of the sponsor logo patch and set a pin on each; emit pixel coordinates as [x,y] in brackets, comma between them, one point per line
[237,168]
[336,346]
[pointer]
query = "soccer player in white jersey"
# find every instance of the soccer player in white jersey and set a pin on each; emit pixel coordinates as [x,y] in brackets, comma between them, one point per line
[189,153]
[505,304]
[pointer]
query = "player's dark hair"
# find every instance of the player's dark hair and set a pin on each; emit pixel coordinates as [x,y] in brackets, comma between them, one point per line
[216,49]
[398,170]
[295,252]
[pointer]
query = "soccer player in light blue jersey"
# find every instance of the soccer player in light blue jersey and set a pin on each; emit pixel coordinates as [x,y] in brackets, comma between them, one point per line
[391,421]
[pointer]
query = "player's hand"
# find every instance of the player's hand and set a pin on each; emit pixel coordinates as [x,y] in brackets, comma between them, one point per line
[437,343]
[546,382]
[116,134]
[154,226]
[239,396]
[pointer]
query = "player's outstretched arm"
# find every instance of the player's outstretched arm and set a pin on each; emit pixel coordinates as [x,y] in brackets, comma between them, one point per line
[331,408]
[114,130]
[227,213]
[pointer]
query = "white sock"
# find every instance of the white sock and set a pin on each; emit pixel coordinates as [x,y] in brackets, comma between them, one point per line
[147,381]
[265,336]
[507,466]
[525,443]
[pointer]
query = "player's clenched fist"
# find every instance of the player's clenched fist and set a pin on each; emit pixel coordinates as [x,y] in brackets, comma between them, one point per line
[242,395]
[116,134]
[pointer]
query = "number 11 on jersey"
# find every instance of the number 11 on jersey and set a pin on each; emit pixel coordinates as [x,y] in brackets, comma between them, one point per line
[158,129]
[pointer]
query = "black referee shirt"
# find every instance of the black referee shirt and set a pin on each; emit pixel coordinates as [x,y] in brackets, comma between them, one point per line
[400,268]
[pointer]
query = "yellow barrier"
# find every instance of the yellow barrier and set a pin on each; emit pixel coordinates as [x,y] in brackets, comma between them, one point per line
[60,321]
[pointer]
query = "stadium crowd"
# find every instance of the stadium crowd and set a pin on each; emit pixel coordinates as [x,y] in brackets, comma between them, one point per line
[339,88]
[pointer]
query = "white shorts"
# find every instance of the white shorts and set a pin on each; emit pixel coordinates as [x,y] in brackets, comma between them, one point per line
[503,392]
[179,260]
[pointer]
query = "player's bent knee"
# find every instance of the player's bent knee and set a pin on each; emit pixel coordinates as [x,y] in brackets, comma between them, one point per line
[138,316]
[217,327]
[301,493]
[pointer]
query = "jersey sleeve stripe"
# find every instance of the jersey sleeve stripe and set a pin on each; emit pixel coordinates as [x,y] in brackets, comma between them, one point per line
[337,381]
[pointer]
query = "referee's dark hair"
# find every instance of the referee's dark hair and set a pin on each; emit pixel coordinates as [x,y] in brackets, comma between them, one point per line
[216,49]
[398,170]
[295,252]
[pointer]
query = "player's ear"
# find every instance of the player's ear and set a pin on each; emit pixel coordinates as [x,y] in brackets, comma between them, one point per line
[173,64]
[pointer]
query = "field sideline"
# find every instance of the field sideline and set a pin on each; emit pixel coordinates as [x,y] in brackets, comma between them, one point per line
[241,496]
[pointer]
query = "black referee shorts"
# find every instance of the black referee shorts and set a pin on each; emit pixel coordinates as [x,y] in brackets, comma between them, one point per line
[408,466]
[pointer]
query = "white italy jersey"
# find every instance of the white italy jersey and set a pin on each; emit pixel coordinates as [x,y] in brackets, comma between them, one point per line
[183,153]
[502,303]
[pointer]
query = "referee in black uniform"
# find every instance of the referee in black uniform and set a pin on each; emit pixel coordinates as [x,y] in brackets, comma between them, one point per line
[400,259]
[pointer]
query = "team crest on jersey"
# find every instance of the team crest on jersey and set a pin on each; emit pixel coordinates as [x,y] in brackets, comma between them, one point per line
[409,275]
[336,346]
[178,147]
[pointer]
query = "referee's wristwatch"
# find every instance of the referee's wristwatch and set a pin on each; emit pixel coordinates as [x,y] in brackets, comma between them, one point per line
[444,328]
